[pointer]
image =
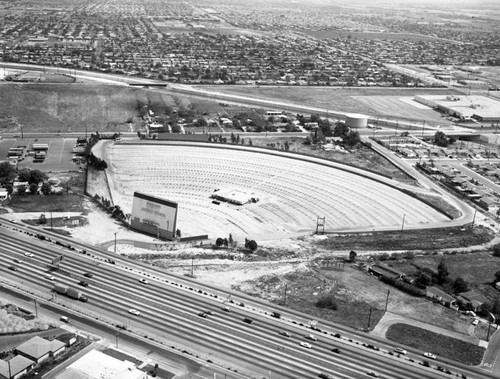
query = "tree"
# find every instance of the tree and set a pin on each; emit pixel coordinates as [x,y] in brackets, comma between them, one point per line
[46,188]
[340,130]
[440,139]
[352,256]
[36,176]
[33,188]
[442,273]
[24,175]
[7,172]
[352,138]
[423,280]
[460,285]
[496,250]
[252,245]
[219,242]
[21,190]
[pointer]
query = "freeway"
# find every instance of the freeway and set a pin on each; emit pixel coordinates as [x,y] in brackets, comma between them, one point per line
[169,306]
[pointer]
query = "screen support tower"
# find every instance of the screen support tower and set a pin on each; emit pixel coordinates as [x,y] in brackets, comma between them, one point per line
[320,225]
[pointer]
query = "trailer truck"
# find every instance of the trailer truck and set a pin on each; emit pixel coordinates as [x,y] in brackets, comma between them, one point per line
[71,292]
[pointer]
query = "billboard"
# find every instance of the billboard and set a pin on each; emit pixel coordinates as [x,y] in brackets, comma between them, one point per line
[153,215]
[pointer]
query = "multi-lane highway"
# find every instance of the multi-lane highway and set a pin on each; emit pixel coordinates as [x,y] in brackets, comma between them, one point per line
[169,309]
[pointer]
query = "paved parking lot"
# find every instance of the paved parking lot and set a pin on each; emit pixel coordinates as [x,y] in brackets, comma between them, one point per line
[59,156]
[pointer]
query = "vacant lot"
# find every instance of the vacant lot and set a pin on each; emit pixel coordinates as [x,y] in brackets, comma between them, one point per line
[66,107]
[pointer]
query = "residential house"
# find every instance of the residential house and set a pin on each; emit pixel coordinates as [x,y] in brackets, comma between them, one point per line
[384,272]
[39,349]
[472,299]
[441,297]
[15,367]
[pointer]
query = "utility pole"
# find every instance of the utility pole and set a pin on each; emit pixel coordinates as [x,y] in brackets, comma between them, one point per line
[473,218]
[36,309]
[192,267]
[403,224]
[115,242]
[284,295]
[116,339]
[51,223]
[387,299]
[369,318]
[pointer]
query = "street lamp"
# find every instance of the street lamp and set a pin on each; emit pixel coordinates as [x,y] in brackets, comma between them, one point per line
[115,241]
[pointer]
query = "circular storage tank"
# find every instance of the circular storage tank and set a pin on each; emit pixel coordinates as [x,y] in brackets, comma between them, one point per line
[356,121]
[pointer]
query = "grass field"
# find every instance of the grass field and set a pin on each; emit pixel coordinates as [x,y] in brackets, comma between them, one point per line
[437,344]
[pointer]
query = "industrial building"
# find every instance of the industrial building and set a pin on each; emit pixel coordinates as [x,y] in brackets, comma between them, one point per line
[478,108]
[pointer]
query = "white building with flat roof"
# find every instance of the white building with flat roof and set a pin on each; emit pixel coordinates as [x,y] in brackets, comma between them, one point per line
[97,365]
[480,108]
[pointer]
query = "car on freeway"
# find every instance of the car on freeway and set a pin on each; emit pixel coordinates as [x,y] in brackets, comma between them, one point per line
[336,350]
[324,376]
[400,350]
[64,319]
[50,277]
[134,312]
[143,281]
[18,261]
[88,275]
[311,337]
[475,322]
[306,345]
[226,309]
[203,314]
[209,313]
[429,355]
[83,283]
[29,255]
[13,268]
[248,320]
[371,373]
[285,333]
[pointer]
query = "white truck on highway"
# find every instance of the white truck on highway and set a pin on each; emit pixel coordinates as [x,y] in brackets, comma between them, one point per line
[71,292]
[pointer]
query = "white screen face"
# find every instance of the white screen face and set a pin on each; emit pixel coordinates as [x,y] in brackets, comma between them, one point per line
[153,213]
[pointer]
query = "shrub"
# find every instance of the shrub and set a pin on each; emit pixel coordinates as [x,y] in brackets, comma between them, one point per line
[496,250]
[327,301]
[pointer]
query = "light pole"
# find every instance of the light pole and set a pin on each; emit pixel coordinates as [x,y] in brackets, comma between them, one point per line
[403,223]
[115,242]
